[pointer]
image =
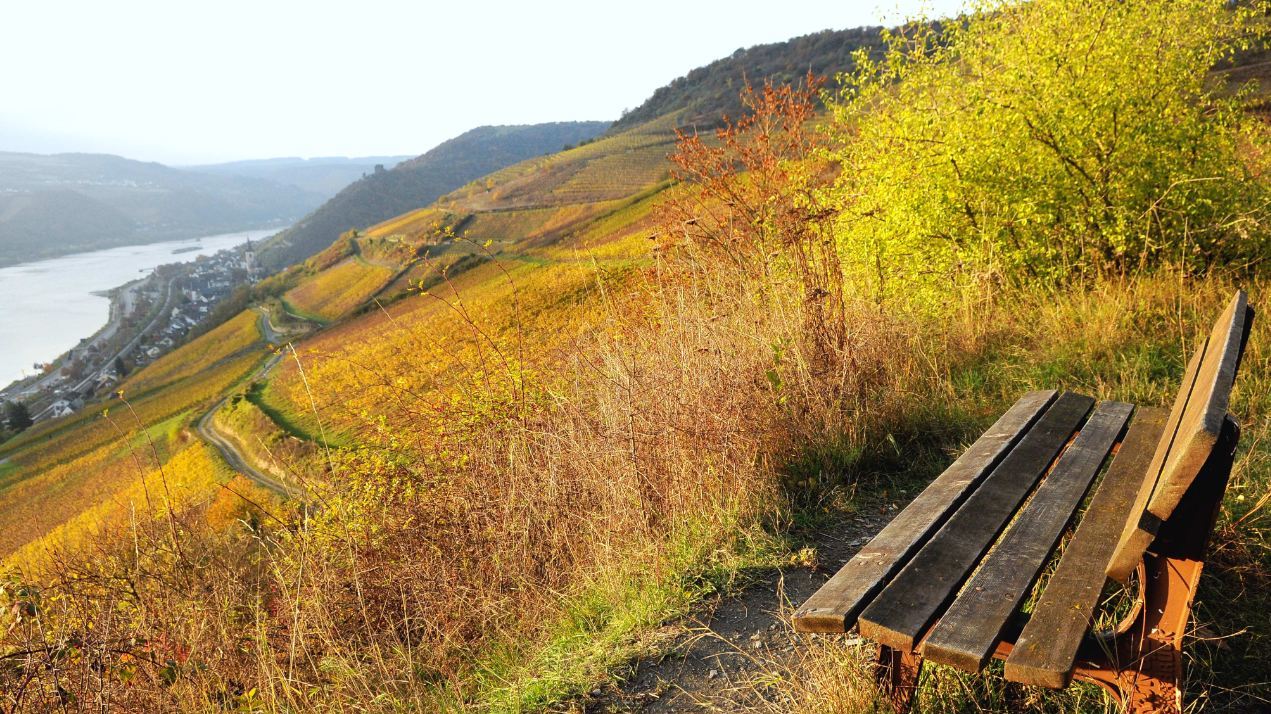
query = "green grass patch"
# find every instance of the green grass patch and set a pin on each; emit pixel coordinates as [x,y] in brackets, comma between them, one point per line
[8,470]
[294,311]
[256,393]
[607,622]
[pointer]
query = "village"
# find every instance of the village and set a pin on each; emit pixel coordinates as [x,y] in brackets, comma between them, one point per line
[148,318]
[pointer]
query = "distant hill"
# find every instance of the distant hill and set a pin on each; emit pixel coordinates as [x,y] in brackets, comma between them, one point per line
[420,181]
[324,176]
[81,223]
[57,204]
[524,176]
[706,93]
[550,197]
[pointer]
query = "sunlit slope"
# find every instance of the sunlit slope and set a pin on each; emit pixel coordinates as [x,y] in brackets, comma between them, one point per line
[525,199]
[616,166]
[524,257]
[419,181]
[338,290]
[512,310]
[65,467]
[510,215]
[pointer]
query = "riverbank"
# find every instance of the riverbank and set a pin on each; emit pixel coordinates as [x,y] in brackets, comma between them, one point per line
[144,317]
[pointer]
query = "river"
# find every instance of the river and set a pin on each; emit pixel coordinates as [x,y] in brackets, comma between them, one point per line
[47,307]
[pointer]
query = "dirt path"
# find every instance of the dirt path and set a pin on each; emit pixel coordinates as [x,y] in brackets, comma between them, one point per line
[718,660]
[207,431]
[271,334]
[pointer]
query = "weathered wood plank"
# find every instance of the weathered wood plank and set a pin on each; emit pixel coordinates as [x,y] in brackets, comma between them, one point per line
[900,614]
[834,607]
[970,629]
[1190,433]
[1045,652]
[1206,408]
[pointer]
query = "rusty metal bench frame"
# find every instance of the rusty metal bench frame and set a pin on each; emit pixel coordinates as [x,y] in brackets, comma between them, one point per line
[1170,505]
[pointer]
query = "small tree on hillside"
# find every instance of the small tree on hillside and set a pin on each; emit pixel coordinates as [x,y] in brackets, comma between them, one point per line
[17,416]
[754,202]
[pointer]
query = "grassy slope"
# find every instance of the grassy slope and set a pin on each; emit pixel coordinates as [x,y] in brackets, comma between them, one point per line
[1124,341]
[539,229]
[61,476]
[60,469]
[544,221]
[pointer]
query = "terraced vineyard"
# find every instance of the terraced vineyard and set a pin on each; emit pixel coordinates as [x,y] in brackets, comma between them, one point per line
[553,288]
[83,463]
[337,291]
[67,506]
[415,224]
[610,168]
[539,243]
[237,334]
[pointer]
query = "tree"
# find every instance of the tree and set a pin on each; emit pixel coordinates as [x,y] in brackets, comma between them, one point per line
[1045,140]
[120,368]
[756,202]
[17,416]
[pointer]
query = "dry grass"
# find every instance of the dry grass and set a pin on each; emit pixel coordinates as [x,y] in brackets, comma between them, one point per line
[535,488]
[1124,339]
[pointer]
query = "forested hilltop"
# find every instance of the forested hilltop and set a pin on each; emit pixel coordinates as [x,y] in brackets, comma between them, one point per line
[707,93]
[508,450]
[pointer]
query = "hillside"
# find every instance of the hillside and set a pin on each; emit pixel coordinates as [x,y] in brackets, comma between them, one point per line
[64,203]
[536,430]
[708,92]
[703,95]
[420,181]
[321,176]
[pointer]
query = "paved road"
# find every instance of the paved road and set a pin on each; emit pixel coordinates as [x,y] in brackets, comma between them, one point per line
[154,323]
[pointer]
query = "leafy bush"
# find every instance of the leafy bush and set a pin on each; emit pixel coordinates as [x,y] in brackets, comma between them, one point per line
[1040,141]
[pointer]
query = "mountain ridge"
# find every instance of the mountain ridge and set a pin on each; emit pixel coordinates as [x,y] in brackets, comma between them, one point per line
[325,175]
[57,204]
[707,92]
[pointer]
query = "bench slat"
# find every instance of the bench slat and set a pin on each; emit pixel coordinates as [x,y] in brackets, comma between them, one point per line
[1190,433]
[968,632]
[901,612]
[1206,408]
[834,607]
[1045,652]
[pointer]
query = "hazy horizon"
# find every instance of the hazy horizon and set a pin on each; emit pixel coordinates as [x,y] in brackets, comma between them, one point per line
[159,82]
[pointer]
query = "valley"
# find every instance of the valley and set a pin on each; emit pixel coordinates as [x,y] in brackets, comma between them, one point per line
[570,416]
[112,296]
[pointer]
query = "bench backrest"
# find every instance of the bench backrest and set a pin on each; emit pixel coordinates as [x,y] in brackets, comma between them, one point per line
[1191,431]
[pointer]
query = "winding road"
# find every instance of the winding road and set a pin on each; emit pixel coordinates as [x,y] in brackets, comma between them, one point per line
[229,451]
[207,430]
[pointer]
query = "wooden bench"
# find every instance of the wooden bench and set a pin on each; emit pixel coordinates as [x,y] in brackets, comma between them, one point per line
[947,578]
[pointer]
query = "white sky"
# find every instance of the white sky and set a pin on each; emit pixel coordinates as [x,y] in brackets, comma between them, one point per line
[179,82]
